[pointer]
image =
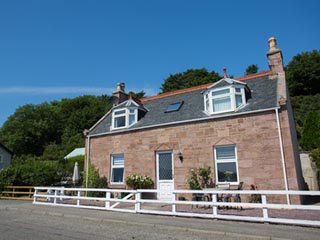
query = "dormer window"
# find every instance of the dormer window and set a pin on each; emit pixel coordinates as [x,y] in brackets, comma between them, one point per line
[124,117]
[224,99]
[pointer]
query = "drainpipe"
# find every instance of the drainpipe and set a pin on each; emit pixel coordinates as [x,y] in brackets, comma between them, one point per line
[282,156]
[87,160]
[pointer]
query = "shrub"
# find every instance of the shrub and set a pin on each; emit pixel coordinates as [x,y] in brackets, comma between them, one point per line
[31,173]
[254,198]
[311,131]
[199,178]
[94,181]
[137,181]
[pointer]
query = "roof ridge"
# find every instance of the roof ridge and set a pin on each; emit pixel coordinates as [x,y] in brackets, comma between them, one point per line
[254,75]
[199,87]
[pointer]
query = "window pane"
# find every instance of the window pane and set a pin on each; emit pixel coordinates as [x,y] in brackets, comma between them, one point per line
[221,104]
[238,90]
[131,111]
[117,175]
[207,105]
[224,91]
[226,152]
[165,166]
[174,107]
[120,112]
[117,160]
[119,121]
[132,119]
[238,100]
[227,172]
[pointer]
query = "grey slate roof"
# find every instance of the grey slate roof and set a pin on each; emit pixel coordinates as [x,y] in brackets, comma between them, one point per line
[263,96]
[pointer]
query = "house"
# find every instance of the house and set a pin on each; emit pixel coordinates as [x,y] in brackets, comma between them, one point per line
[5,157]
[75,152]
[242,128]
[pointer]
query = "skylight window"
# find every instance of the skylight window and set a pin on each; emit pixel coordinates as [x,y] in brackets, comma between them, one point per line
[174,107]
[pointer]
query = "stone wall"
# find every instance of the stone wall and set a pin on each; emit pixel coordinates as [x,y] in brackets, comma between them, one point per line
[255,136]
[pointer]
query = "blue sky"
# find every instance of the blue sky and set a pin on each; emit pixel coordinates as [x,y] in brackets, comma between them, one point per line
[51,50]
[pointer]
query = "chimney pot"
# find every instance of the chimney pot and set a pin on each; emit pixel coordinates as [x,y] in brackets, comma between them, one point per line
[225,73]
[272,44]
[120,87]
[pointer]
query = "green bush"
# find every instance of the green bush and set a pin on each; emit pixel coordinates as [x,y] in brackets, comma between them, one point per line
[31,173]
[199,178]
[311,131]
[137,181]
[94,181]
[315,155]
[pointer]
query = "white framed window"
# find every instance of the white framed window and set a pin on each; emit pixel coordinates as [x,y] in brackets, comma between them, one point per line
[117,168]
[124,117]
[226,165]
[224,99]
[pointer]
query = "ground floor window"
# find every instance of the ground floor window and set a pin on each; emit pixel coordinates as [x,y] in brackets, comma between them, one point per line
[226,164]
[117,168]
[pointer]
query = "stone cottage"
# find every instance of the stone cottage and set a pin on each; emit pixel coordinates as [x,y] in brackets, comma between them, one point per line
[242,128]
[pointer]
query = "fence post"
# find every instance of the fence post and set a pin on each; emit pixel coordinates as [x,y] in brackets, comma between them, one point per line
[173,203]
[35,195]
[214,206]
[78,199]
[138,204]
[107,205]
[55,196]
[61,193]
[264,206]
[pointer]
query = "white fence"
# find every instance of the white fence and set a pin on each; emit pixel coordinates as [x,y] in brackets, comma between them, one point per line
[209,206]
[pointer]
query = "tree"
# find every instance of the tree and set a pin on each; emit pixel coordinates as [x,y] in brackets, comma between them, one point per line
[253,68]
[137,95]
[311,131]
[35,129]
[303,74]
[30,128]
[189,78]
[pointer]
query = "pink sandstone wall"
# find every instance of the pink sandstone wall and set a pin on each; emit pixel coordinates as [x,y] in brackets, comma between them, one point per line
[255,135]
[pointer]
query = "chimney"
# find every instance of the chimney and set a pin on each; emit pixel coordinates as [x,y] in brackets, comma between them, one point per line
[277,71]
[275,57]
[225,73]
[119,95]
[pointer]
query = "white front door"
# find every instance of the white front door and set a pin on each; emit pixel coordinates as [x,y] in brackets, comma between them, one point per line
[165,175]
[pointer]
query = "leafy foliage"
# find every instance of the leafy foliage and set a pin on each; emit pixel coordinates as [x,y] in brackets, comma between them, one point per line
[303,74]
[52,129]
[311,131]
[253,68]
[94,179]
[31,173]
[189,78]
[138,95]
[137,181]
[315,155]
[199,178]
[302,105]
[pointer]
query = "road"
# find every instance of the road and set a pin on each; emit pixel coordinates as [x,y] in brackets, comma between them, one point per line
[23,220]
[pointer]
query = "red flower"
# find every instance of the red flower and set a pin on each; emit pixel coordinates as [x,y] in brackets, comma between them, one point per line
[252,186]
